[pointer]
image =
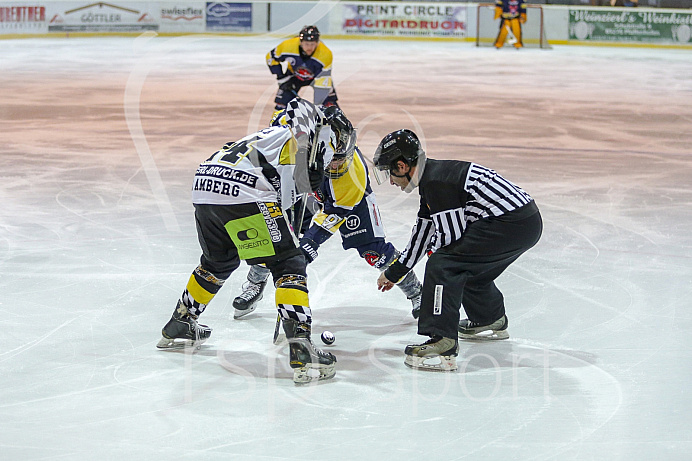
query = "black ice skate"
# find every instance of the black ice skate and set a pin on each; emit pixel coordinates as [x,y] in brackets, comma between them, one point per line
[247,301]
[308,362]
[436,354]
[474,331]
[182,330]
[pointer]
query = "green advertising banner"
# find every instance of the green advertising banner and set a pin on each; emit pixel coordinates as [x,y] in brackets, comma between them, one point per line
[645,26]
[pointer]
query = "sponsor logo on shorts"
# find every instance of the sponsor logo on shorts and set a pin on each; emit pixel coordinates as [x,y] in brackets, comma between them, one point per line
[248,234]
[269,210]
[255,244]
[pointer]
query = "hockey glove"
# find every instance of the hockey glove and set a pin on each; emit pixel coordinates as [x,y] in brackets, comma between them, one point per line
[316,171]
[317,234]
[288,84]
[309,248]
[522,18]
[319,196]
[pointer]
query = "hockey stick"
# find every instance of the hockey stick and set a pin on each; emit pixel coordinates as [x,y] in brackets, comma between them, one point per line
[298,219]
[511,39]
[279,336]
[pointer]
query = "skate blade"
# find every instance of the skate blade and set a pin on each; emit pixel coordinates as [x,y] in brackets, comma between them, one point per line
[179,344]
[432,362]
[312,373]
[489,335]
[238,314]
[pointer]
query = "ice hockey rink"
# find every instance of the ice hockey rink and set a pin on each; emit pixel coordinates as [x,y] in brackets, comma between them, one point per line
[101,138]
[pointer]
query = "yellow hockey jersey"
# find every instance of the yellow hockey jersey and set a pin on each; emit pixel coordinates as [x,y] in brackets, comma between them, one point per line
[342,194]
[305,68]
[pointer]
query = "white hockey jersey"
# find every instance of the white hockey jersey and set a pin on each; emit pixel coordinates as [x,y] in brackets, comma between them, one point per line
[259,167]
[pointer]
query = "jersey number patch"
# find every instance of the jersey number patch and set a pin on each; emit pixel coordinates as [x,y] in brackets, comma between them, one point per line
[233,153]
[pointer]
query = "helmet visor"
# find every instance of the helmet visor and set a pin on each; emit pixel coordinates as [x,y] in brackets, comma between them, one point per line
[381,174]
[345,144]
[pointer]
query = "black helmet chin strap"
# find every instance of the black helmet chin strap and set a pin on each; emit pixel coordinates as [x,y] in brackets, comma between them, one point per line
[420,167]
[405,175]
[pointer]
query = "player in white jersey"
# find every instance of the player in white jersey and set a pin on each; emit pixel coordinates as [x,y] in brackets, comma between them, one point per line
[241,194]
[349,208]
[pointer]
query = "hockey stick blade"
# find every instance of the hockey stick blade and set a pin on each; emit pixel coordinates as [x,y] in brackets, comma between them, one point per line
[279,335]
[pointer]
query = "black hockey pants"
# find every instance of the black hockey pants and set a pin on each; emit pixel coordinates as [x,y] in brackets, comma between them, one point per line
[466,271]
[220,254]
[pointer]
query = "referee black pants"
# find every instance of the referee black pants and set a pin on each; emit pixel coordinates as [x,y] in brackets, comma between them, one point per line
[464,272]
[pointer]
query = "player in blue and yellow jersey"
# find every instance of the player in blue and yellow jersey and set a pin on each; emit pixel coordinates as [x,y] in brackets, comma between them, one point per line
[513,14]
[308,62]
[349,207]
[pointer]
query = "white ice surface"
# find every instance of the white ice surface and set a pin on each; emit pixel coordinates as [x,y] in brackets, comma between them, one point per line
[101,137]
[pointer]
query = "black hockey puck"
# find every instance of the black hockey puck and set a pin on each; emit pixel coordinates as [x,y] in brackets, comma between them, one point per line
[328,337]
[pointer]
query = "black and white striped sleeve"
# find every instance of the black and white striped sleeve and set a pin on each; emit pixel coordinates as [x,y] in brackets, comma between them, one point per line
[450,225]
[491,194]
[421,235]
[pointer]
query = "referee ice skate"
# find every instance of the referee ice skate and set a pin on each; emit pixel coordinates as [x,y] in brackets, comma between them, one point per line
[474,223]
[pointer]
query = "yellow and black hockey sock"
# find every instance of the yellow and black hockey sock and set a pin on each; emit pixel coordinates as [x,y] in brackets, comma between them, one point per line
[200,290]
[292,299]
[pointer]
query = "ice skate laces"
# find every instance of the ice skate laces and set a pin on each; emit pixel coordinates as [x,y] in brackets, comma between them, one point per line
[250,290]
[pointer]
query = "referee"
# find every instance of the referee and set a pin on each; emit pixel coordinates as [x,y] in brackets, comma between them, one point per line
[473,223]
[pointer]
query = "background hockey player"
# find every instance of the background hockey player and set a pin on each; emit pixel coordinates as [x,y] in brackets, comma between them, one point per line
[308,62]
[348,207]
[240,194]
[478,223]
[512,14]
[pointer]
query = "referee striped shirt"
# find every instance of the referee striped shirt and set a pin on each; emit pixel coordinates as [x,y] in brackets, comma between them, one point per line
[454,194]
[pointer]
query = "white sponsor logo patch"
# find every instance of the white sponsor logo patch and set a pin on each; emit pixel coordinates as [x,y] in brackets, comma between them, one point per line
[437,307]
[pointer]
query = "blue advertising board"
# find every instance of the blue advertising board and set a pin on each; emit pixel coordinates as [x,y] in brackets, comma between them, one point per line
[233,17]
